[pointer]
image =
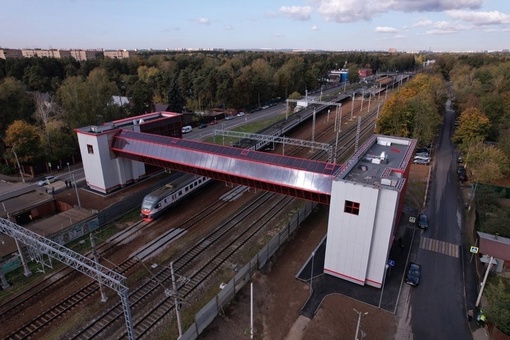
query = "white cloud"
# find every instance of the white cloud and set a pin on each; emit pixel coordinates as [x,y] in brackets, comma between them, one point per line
[354,10]
[204,21]
[440,31]
[422,23]
[433,5]
[445,27]
[297,12]
[385,29]
[480,18]
[315,28]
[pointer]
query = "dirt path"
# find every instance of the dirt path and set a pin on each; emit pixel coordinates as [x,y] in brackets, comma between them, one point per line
[279,297]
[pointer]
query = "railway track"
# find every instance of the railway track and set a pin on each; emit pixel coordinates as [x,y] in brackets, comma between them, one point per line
[60,277]
[76,298]
[187,265]
[211,252]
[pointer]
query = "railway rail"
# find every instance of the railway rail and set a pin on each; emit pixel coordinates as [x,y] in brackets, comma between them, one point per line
[190,264]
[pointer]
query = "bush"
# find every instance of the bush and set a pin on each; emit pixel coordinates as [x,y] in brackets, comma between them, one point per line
[7,170]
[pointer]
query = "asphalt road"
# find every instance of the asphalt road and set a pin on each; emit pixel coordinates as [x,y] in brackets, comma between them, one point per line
[14,187]
[438,304]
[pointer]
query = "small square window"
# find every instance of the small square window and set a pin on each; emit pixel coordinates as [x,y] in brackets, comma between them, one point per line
[351,207]
[90,149]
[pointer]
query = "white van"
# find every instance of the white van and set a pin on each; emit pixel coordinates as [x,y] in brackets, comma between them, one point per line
[186,129]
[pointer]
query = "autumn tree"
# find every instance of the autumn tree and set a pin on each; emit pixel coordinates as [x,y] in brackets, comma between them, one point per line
[23,139]
[473,127]
[486,163]
[414,112]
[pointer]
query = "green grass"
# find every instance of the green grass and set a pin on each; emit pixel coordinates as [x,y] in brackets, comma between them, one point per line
[252,127]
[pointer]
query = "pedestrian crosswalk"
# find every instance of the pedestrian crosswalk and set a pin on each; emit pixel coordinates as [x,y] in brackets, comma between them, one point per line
[437,246]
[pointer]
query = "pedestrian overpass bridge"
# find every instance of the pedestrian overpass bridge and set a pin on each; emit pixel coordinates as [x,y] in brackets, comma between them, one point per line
[302,178]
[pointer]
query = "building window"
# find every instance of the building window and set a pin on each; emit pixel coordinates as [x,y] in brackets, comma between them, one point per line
[351,207]
[90,149]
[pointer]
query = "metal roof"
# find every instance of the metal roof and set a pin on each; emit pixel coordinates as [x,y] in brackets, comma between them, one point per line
[495,245]
[297,177]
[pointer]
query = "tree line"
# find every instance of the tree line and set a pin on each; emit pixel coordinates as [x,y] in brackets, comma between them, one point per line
[44,99]
[479,89]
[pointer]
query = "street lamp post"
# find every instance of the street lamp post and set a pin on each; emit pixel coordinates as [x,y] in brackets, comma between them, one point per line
[383,282]
[359,323]
[311,274]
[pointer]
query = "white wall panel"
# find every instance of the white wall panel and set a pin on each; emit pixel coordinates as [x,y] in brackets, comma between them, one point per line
[350,236]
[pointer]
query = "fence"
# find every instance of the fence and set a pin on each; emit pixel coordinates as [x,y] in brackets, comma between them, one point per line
[211,310]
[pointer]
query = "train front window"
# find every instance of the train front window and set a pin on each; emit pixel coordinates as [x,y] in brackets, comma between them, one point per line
[148,203]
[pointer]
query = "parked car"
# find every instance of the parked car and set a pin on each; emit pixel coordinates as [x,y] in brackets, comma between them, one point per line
[423,152]
[240,114]
[421,161]
[47,180]
[461,173]
[186,129]
[426,158]
[202,126]
[413,274]
[213,122]
[423,221]
[229,117]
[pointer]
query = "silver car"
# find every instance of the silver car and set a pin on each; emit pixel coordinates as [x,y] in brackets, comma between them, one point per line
[422,161]
[47,180]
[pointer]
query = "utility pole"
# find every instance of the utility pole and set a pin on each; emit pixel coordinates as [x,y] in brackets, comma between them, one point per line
[482,285]
[353,98]
[76,189]
[313,126]
[19,166]
[176,300]
[251,310]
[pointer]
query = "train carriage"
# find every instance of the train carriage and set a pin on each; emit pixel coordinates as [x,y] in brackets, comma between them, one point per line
[155,203]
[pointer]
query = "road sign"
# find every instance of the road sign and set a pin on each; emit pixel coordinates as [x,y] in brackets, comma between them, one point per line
[391,263]
[412,219]
[473,250]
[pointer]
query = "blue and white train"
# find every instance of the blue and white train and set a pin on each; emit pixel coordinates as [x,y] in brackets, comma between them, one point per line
[155,203]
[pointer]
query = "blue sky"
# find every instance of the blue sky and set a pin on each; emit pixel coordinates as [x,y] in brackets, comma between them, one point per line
[334,25]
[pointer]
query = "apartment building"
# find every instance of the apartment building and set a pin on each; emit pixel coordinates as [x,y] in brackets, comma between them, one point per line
[79,55]
[10,53]
[118,54]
